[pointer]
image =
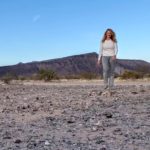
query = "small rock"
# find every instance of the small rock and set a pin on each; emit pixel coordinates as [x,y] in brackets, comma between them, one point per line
[142,91]
[6,137]
[70,121]
[47,143]
[35,109]
[133,92]
[94,128]
[7,97]
[18,141]
[99,141]
[98,123]
[100,93]
[108,115]
[25,98]
[117,131]
[25,106]
[103,148]
[90,94]
[106,93]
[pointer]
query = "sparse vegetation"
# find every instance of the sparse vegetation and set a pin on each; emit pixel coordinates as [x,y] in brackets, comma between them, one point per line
[22,78]
[47,75]
[9,77]
[85,75]
[131,75]
[88,75]
[144,69]
[72,77]
[147,75]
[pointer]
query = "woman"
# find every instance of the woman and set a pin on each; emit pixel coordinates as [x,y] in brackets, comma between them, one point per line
[107,56]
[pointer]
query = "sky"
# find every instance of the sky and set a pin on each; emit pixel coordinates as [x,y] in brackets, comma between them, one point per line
[35,30]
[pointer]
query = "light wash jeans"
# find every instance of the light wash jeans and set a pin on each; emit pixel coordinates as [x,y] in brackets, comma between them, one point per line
[108,71]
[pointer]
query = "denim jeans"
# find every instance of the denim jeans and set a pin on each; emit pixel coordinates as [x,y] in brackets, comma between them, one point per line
[108,70]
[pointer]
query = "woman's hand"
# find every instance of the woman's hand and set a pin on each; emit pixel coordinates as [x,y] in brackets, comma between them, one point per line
[113,57]
[99,62]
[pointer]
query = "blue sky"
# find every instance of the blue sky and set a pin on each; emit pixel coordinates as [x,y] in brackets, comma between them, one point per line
[34,30]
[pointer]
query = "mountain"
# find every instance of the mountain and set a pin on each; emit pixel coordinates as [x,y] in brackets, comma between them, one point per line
[73,65]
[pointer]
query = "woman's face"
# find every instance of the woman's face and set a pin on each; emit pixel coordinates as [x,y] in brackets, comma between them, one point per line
[108,34]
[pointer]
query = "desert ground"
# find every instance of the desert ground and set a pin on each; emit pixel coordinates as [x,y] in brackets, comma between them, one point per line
[75,115]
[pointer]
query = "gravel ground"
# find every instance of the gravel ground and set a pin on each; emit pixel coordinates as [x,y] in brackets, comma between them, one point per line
[75,116]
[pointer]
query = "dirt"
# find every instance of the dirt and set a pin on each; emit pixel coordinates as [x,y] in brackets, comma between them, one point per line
[74,115]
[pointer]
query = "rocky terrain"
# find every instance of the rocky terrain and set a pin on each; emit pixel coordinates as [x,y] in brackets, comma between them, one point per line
[75,115]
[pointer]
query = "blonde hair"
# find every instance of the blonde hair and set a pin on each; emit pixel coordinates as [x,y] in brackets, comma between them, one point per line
[113,35]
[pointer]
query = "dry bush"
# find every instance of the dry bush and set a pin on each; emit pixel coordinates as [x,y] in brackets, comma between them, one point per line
[47,75]
[72,77]
[9,77]
[131,75]
[88,75]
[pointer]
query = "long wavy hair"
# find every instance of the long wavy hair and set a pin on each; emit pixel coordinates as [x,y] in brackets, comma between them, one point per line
[113,35]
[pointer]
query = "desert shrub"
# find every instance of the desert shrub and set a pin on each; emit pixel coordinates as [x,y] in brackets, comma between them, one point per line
[47,75]
[131,75]
[144,69]
[34,77]
[22,78]
[146,75]
[9,77]
[72,77]
[84,75]
[88,75]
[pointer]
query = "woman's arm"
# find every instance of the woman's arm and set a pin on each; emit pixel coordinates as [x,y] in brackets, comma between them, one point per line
[116,49]
[100,52]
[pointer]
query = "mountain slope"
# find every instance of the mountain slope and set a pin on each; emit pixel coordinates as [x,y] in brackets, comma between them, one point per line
[73,65]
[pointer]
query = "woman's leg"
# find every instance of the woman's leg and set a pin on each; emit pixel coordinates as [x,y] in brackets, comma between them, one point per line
[112,69]
[105,63]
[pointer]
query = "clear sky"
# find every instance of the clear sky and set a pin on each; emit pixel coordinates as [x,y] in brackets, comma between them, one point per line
[35,30]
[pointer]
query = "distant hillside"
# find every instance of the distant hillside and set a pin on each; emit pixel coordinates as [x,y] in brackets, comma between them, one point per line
[73,65]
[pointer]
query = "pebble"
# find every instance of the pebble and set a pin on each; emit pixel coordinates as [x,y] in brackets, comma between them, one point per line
[47,143]
[108,115]
[18,141]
